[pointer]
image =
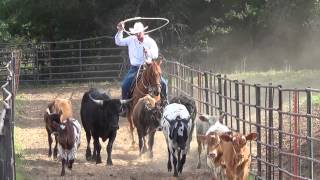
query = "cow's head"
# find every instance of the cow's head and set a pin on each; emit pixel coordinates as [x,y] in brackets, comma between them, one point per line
[65,134]
[211,119]
[239,142]
[179,131]
[111,109]
[212,141]
[51,118]
[156,114]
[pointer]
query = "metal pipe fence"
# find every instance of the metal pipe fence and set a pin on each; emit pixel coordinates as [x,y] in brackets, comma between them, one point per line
[7,155]
[287,120]
[72,61]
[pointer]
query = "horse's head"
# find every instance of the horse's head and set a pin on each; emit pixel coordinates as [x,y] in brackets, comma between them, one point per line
[152,77]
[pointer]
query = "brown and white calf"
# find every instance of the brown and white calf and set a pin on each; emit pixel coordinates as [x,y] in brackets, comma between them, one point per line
[236,155]
[69,138]
[203,123]
[212,142]
[58,110]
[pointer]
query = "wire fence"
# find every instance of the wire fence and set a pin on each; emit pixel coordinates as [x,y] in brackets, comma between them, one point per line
[286,120]
[7,155]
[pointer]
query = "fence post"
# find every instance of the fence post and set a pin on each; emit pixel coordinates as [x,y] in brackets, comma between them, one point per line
[191,81]
[199,90]
[206,85]
[37,80]
[270,137]
[310,133]
[236,86]
[211,92]
[295,131]
[258,126]
[80,58]
[243,106]
[175,75]
[225,93]
[220,93]
[280,131]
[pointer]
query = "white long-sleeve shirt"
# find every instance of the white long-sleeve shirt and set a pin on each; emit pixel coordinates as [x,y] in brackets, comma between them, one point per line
[135,48]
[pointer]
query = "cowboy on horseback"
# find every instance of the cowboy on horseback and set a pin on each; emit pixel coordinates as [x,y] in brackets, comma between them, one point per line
[142,49]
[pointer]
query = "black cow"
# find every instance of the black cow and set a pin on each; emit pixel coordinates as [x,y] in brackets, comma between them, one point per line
[100,118]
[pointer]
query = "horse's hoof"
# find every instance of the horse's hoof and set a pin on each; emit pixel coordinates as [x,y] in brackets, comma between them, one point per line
[150,155]
[98,161]
[88,158]
[198,166]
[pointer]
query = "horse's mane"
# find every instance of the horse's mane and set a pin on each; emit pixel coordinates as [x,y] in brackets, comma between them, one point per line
[153,68]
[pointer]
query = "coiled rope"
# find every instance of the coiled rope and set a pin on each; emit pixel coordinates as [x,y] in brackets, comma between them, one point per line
[146,18]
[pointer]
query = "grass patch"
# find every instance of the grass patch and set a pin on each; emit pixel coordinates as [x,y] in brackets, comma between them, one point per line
[293,79]
[315,99]
[18,145]
[18,141]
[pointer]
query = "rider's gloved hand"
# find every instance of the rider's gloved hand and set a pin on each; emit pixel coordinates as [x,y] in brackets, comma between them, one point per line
[147,53]
[120,26]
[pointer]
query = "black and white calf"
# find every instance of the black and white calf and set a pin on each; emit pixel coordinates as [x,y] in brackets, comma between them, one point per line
[69,138]
[176,123]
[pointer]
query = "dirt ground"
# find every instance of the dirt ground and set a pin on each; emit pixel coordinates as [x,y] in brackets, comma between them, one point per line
[29,129]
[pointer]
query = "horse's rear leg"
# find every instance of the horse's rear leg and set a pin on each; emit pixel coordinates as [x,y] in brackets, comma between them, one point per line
[49,142]
[131,126]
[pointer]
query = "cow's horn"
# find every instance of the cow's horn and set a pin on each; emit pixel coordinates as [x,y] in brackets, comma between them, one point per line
[124,101]
[48,111]
[97,101]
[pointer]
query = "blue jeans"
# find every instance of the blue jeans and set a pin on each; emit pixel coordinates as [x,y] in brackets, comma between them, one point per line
[129,79]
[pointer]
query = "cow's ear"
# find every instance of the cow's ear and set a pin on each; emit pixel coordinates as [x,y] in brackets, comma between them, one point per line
[203,118]
[251,137]
[226,137]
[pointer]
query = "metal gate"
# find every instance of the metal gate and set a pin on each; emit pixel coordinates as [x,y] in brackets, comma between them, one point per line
[92,59]
[8,67]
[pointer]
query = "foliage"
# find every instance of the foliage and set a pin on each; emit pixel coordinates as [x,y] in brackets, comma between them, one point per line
[216,30]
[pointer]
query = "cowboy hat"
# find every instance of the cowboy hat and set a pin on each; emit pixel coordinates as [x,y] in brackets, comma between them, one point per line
[137,27]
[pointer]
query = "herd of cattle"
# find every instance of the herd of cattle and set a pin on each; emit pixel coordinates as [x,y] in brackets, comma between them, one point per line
[227,153]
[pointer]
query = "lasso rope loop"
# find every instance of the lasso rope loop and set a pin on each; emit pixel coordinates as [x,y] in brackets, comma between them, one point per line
[146,18]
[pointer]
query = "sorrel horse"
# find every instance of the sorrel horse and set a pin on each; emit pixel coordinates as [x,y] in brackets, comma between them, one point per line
[149,83]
